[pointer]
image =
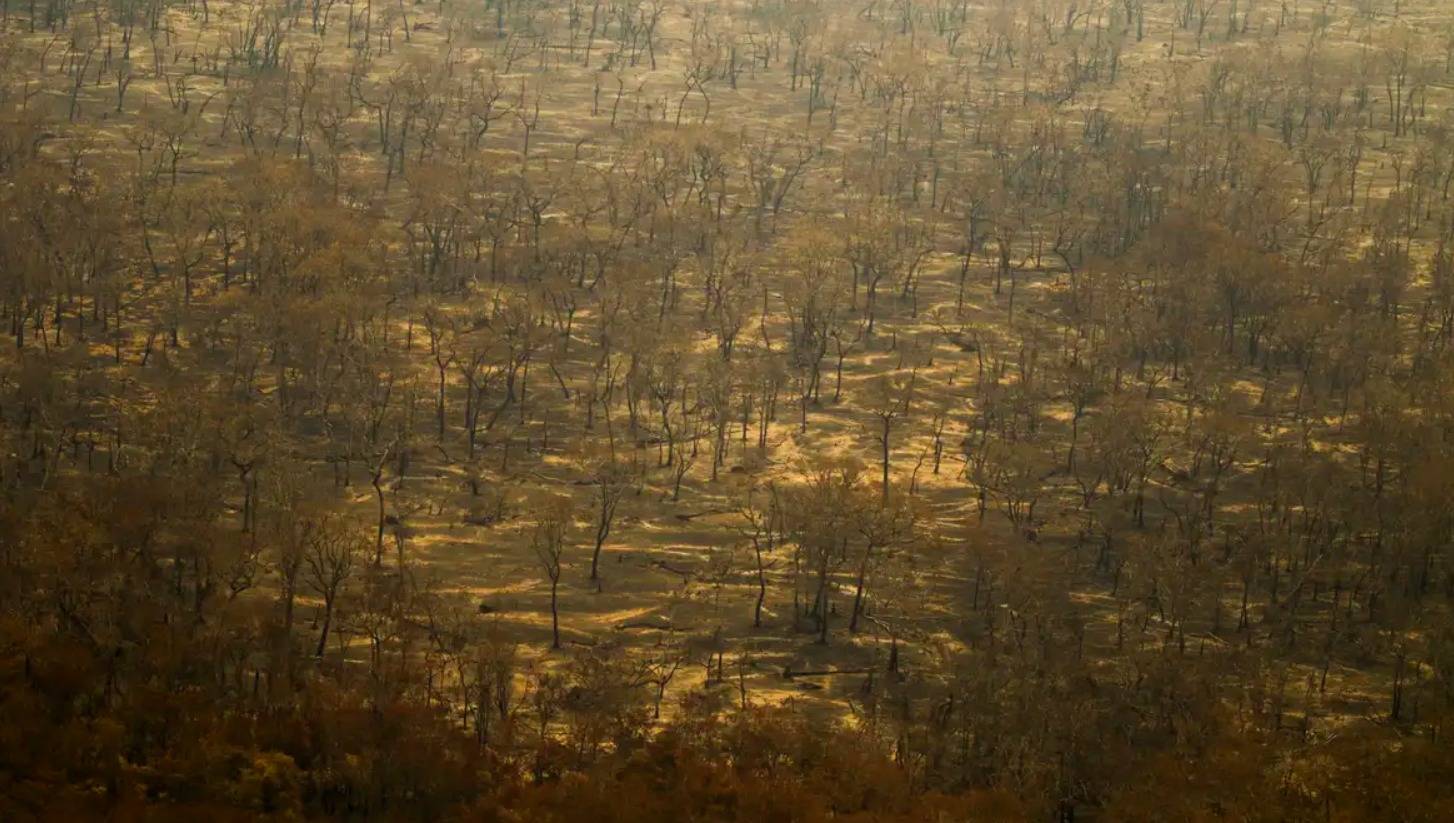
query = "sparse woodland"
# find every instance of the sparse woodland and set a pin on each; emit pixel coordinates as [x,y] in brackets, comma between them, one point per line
[745,410]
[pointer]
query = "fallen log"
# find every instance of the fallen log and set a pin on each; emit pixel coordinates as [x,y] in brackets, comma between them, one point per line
[689,516]
[642,624]
[684,574]
[789,674]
